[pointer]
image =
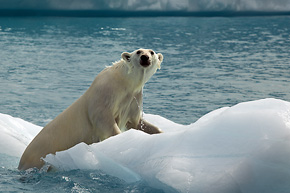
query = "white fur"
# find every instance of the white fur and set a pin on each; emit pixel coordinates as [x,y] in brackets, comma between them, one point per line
[110,104]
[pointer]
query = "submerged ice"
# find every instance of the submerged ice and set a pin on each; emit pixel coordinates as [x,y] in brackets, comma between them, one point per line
[243,148]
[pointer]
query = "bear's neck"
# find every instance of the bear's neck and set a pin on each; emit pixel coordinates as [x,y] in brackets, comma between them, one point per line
[135,82]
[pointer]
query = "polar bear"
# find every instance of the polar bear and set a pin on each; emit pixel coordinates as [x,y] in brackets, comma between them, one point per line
[112,103]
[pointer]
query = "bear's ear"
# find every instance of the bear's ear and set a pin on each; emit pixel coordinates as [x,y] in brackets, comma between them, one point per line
[160,57]
[126,56]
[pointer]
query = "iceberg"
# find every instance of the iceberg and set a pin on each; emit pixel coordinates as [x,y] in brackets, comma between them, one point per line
[243,148]
[15,135]
[138,7]
[149,5]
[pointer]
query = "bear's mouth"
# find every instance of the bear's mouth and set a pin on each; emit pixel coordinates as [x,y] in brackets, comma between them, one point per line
[145,63]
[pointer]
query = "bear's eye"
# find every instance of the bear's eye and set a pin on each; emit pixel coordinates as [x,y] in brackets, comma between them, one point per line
[152,53]
[138,52]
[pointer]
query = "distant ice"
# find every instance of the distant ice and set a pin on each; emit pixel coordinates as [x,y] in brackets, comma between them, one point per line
[149,5]
[243,148]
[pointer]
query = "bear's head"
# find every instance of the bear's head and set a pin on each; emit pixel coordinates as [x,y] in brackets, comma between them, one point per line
[143,58]
[142,63]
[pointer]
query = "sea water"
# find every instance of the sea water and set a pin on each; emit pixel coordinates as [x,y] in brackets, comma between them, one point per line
[47,63]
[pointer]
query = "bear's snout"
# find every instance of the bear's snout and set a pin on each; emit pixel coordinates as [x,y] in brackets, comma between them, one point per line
[144,58]
[144,61]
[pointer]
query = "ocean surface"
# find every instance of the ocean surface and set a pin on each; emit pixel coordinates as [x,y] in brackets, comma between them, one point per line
[46,63]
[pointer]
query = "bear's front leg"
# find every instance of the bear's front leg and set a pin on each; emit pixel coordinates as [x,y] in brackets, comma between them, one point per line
[104,126]
[108,131]
[148,127]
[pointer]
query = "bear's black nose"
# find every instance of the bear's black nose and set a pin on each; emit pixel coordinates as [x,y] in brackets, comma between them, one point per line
[144,58]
